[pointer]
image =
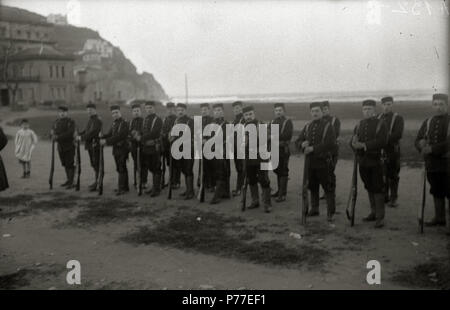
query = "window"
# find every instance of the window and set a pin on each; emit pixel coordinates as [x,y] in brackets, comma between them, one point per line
[51,71]
[64,93]
[19,32]
[59,92]
[28,35]
[57,71]
[19,94]
[62,71]
[53,92]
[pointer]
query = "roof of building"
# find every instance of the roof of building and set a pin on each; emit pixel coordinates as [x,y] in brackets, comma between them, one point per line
[41,52]
[12,14]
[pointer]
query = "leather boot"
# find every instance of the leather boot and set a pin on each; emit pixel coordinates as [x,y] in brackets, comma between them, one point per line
[189,188]
[93,186]
[70,177]
[371,217]
[439,212]
[67,178]
[379,210]
[255,196]
[218,193]
[331,205]
[282,190]
[314,211]
[266,200]
[394,193]
[156,190]
[277,193]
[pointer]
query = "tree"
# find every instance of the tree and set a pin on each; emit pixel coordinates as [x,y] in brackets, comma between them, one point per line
[10,79]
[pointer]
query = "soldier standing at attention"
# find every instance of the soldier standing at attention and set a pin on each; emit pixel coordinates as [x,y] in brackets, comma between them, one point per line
[369,138]
[208,168]
[91,139]
[433,141]
[221,165]
[254,173]
[317,139]
[63,132]
[151,143]
[186,164]
[168,123]
[117,137]
[395,125]
[284,138]
[135,130]
[238,163]
[336,124]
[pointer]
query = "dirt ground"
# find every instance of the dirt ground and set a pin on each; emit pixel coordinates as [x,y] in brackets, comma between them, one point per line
[136,242]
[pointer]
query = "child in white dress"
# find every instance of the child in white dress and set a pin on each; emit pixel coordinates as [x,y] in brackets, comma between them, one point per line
[25,143]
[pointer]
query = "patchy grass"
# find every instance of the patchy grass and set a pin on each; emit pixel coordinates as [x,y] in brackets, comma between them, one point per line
[13,201]
[434,274]
[214,234]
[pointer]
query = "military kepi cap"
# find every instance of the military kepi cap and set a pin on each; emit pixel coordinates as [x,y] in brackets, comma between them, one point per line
[315,105]
[218,105]
[91,105]
[204,105]
[279,105]
[135,105]
[150,102]
[63,108]
[114,107]
[236,103]
[181,105]
[387,99]
[369,102]
[440,97]
[170,104]
[248,109]
[325,103]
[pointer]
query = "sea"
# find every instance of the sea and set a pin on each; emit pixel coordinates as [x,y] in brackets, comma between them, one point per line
[357,96]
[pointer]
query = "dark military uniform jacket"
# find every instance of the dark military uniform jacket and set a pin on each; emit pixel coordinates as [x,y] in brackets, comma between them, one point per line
[136,128]
[259,144]
[286,129]
[336,123]
[190,122]
[320,135]
[167,126]
[437,133]
[151,135]
[223,125]
[90,135]
[238,119]
[373,133]
[395,125]
[64,130]
[206,120]
[118,137]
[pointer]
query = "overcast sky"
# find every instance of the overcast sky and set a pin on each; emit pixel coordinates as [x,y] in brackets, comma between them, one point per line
[243,47]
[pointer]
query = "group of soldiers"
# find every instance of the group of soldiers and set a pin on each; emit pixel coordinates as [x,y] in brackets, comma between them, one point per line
[376,143]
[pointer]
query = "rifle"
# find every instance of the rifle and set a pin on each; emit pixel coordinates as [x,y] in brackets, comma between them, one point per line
[101,172]
[78,163]
[424,200]
[305,194]
[169,195]
[201,191]
[351,203]
[139,170]
[52,165]
[163,169]
[244,189]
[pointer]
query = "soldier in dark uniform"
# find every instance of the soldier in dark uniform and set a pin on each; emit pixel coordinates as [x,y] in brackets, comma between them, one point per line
[253,170]
[63,133]
[168,123]
[285,135]
[208,168]
[118,138]
[151,142]
[317,140]
[336,123]
[90,136]
[3,177]
[238,163]
[368,140]
[391,157]
[186,165]
[135,130]
[221,166]
[433,141]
